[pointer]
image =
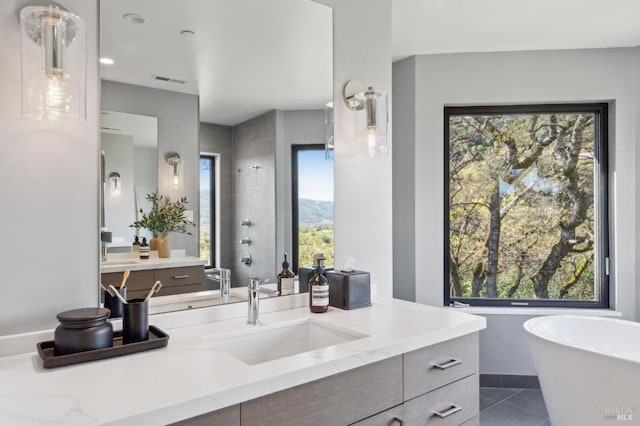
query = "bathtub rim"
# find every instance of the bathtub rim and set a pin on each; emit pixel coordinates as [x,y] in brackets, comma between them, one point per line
[530,323]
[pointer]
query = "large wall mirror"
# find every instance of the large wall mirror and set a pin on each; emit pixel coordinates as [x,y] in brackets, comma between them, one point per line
[230,86]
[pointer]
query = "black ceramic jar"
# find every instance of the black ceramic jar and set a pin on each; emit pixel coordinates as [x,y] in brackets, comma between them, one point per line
[82,330]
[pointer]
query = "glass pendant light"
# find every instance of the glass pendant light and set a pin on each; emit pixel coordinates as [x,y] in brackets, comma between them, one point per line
[53,64]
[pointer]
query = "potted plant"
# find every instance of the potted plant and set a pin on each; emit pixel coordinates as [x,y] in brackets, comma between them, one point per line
[164,217]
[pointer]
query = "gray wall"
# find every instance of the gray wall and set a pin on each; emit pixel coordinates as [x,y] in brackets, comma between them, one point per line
[119,210]
[49,192]
[145,175]
[514,77]
[217,139]
[254,143]
[362,51]
[404,212]
[178,123]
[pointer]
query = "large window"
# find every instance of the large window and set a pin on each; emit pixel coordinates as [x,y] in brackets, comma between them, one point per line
[312,205]
[207,209]
[526,205]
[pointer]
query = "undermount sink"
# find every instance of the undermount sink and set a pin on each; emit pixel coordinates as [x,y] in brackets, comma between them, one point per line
[269,342]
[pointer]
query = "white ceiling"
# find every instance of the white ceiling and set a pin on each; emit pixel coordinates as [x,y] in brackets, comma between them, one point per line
[447,26]
[247,56]
[251,56]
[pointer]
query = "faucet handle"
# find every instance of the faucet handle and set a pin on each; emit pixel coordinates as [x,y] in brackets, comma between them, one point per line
[254,283]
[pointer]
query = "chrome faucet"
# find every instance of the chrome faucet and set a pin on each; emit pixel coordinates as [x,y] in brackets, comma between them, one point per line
[225,284]
[254,299]
[105,237]
[223,276]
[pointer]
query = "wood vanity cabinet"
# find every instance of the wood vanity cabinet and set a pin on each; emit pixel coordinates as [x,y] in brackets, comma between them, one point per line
[435,385]
[341,399]
[186,279]
[229,416]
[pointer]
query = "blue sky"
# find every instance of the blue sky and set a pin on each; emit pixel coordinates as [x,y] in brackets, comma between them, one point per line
[315,176]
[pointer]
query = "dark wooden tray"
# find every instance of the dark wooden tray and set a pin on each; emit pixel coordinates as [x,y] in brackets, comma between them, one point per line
[157,339]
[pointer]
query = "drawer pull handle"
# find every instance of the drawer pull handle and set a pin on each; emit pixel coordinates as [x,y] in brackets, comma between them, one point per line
[180,277]
[449,411]
[444,365]
[396,420]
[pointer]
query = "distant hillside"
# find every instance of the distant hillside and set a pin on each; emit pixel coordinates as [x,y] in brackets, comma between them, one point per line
[313,213]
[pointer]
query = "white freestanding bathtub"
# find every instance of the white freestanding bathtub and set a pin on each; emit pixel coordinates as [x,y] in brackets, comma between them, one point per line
[588,367]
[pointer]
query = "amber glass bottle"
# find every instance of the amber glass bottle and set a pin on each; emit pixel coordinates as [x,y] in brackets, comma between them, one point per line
[285,279]
[318,288]
[144,249]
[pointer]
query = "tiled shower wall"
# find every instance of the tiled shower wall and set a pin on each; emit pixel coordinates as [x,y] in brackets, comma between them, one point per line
[254,144]
[247,191]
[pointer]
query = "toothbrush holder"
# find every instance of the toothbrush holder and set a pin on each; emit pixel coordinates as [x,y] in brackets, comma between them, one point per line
[114,304]
[135,322]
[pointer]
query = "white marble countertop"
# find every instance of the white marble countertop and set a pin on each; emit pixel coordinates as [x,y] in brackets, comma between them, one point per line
[190,377]
[118,262]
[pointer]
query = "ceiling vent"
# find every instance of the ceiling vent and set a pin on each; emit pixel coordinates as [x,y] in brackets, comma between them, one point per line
[167,79]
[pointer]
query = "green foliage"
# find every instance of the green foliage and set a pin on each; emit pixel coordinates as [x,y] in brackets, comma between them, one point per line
[312,240]
[542,166]
[205,241]
[165,216]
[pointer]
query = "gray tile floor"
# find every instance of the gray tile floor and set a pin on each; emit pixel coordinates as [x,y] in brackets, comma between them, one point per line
[512,407]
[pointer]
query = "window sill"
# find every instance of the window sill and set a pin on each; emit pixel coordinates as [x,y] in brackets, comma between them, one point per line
[536,311]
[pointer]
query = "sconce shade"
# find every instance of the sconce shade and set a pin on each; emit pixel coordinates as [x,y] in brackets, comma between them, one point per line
[53,64]
[371,123]
[115,184]
[173,159]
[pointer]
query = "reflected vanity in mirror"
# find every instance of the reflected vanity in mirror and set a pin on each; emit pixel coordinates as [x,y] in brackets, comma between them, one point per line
[230,87]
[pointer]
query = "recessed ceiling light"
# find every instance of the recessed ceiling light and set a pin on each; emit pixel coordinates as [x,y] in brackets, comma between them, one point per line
[187,33]
[106,61]
[134,18]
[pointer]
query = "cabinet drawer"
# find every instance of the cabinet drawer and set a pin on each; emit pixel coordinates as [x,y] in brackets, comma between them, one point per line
[429,368]
[473,422]
[391,417]
[171,277]
[335,400]
[456,404]
[138,280]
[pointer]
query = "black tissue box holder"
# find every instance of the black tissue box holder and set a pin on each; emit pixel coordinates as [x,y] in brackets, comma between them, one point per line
[305,274]
[349,290]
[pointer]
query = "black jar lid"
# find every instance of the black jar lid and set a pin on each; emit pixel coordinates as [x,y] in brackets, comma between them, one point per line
[84,316]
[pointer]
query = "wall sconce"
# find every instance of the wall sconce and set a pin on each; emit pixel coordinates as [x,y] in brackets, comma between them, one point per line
[371,120]
[115,184]
[173,159]
[53,64]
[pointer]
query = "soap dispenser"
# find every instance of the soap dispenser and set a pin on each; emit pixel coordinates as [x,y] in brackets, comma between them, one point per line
[144,249]
[318,287]
[135,246]
[285,279]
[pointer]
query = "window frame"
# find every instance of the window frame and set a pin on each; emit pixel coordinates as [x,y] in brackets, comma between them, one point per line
[295,148]
[601,214]
[212,209]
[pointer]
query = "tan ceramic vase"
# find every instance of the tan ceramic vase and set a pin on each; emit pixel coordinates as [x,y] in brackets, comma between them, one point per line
[164,247]
[153,243]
